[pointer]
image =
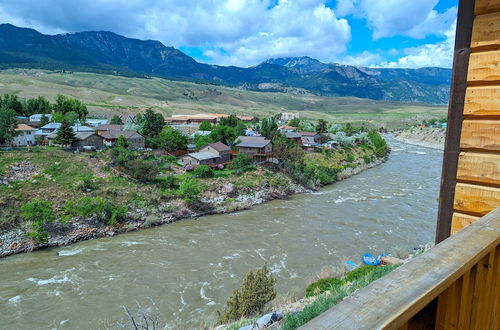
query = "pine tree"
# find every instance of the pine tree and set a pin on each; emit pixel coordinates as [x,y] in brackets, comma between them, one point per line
[65,135]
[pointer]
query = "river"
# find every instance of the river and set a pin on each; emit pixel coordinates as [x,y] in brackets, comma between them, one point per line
[186,270]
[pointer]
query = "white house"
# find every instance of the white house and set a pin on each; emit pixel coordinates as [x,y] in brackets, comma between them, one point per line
[287,116]
[38,116]
[25,136]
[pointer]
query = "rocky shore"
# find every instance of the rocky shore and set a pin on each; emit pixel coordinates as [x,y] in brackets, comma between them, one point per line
[425,137]
[226,200]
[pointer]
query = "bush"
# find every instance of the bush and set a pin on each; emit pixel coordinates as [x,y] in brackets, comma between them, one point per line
[204,171]
[358,273]
[167,182]
[113,214]
[381,147]
[88,183]
[255,292]
[141,170]
[350,158]
[239,162]
[88,206]
[107,211]
[121,155]
[189,190]
[38,212]
[323,285]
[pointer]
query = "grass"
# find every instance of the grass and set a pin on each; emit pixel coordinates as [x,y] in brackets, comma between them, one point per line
[106,95]
[324,302]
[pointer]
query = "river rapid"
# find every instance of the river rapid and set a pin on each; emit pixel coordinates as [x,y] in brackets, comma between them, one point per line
[186,270]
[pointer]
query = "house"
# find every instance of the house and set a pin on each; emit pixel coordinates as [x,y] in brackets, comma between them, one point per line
[287,116]
[134,139]
[220,149]
[38,116]
[25,136]
[49,128]
[287,128]
[128,119]
[310,138]
[108,127]
[296,136]
[257,148]
[87,140]
[200,158]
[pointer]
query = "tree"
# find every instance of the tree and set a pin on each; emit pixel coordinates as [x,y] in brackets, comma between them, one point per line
[269,128]
[205,126]
[322,126]
[240,161]
[71,117]
[66,104]
[116,120]
[141,170]
[171,139]
[11,101]
[381,147]
[38,212]
[295,122]
[230,121]
[65,135]
[240,128]
[224,134]
[8,124]
[348,129]
[58,117]
[38,105]
[121,142]
[255,292]
[201,140]
[204,171]
[44,121]
[152,123]
[189,190]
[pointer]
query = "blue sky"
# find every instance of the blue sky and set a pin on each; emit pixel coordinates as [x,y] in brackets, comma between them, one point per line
[377,33]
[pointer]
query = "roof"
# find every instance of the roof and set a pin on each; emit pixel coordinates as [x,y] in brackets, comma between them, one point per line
[24,127]
[202,133]
[84,135]
[51,126]
[115,134]
[293,135]
[308,133]
[202,155]
[82,128]
[219,146]
[252,141]
[107,127]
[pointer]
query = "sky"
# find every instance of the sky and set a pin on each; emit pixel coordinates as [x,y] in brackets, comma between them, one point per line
[373,33]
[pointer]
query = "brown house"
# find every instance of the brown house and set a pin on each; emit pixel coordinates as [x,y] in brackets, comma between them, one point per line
[87,140]
[310,137]
[134,139]
[295,136]
[220,149]
[257,148]
[200,158]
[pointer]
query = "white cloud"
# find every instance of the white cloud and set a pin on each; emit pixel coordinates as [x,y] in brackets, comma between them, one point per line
[387,18]
[366,58]
[238,32]
[439,54]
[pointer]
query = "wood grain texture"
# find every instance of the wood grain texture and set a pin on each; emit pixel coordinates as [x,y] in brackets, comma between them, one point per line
[482,101]
[486,6]
[479,167]
[474,199]
[480,135]
[460,221]
[484,68]
[486,32]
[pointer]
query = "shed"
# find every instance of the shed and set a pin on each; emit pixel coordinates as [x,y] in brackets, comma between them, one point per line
[200,158]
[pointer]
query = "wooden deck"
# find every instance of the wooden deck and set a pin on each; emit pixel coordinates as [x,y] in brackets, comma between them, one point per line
[455,285]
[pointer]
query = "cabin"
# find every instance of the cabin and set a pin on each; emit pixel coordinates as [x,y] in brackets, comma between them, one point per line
[87,141]
[134,139]
[220,149]
[200,158]
[295,136]
[108,127]
[310,138]
[25,136]
[456,284]
[257,148]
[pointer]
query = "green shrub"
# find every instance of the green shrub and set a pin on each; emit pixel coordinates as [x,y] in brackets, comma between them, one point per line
[239,162]
[381,147]
[358,273]
[255,292]
[323,285]
[141,170]
[87,183]
[38,212]
[349,158]
[167,182]
[189,190]
[204,171]
[113,214]
[88,206]
[121,155]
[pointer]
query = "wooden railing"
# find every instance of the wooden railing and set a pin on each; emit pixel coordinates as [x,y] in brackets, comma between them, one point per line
[454,285]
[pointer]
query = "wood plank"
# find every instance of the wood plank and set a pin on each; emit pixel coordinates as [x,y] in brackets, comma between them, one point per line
[482,101]
[496,290]
[486,6]
[480,135]
[414,285]
[478,167]
[480,293]
[466,299]
[474,199]
[487,306]
[486,32]
[460,221]
[484,68]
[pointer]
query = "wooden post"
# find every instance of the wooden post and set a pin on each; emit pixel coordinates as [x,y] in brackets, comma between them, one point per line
[455,118]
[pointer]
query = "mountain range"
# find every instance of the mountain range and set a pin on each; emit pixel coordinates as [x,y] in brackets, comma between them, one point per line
[108,52]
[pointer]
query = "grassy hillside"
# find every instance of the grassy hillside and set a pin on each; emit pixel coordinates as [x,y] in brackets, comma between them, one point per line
[107,95]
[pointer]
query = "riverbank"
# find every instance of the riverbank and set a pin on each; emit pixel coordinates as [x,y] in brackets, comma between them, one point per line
[148,205]
[424,137]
